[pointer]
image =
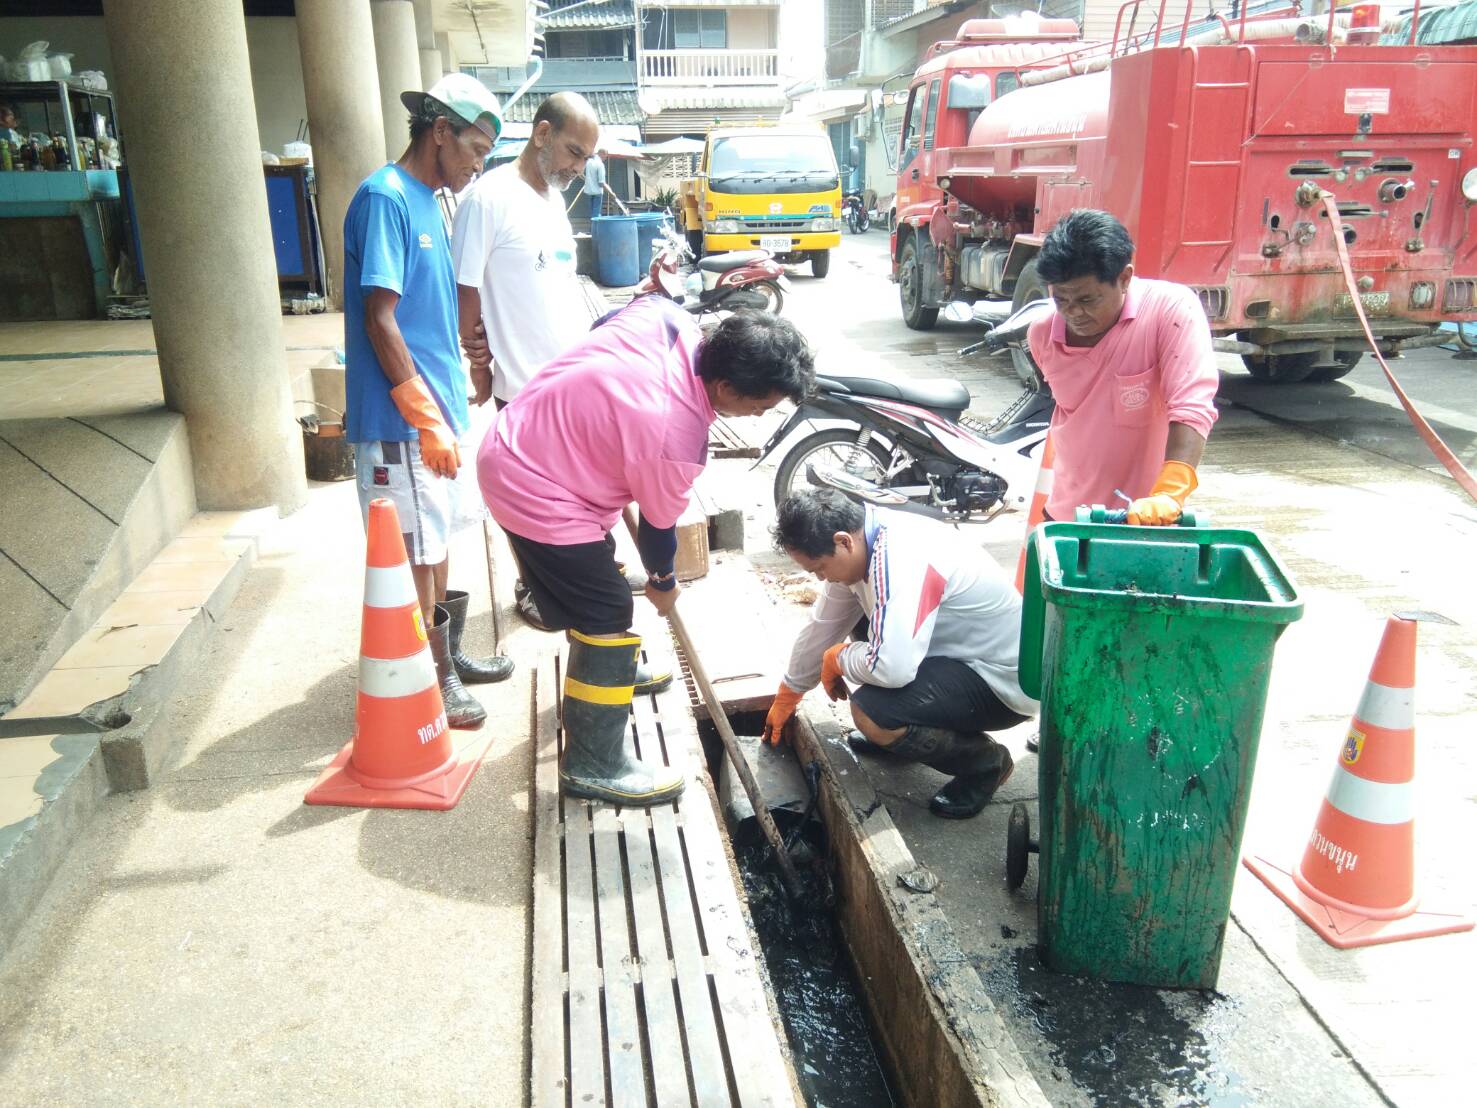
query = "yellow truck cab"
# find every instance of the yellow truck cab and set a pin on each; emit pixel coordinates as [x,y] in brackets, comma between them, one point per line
[775,188]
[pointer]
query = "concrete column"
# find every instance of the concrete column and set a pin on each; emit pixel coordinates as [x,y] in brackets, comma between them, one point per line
[431,70]
[447,51]
[425,42]
[399,67]
[425,25]
[340,79]
[202,209]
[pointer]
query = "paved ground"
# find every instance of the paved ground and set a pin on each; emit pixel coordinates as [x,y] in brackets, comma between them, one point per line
[1341,488]
[214,941]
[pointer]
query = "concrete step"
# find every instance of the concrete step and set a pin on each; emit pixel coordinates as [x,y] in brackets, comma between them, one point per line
[87,728]
[89,501]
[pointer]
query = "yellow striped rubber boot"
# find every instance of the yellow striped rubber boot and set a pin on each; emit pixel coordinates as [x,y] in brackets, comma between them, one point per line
[598,686]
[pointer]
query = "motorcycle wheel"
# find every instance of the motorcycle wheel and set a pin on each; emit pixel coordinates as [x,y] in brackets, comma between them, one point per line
[864,223]
[773,296]
[1028,286]
[836,447]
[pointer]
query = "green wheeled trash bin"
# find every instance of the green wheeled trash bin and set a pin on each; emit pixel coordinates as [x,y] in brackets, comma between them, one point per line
[1150,649]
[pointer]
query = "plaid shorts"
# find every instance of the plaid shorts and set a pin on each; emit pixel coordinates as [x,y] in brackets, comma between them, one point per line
[394,471]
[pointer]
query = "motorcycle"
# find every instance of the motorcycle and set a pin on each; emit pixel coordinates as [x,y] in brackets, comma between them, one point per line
[908,444]
[855,213]
[721,282]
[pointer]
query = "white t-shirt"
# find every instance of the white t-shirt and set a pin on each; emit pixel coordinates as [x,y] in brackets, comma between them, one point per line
[517,247]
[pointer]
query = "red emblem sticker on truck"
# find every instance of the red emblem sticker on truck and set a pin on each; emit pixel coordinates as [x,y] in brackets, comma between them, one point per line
[1375,101]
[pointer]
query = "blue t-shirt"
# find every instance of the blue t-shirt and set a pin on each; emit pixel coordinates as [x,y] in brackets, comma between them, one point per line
[395,238]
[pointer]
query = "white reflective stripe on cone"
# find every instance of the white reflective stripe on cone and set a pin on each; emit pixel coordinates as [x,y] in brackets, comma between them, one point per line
[1387,707]
[389,586]
[392,677]
[1371,801]
[1046,480]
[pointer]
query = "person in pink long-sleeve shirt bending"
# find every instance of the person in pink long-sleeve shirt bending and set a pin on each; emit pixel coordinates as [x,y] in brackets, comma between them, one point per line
[621,416]
[1130,364]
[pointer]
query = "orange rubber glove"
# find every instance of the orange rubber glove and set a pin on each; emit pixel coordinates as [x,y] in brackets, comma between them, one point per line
[1167,499]
[831,679]
[419,408]
[785,703]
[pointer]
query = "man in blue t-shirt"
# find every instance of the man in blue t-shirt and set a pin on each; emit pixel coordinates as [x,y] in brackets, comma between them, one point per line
[406,390]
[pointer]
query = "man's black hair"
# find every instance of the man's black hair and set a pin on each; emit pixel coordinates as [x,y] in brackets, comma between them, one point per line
[807,522]
[1084,243]
[432,109]
[758,354]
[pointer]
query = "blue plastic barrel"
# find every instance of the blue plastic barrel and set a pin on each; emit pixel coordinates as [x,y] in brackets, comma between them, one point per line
[617,260]
[648,231]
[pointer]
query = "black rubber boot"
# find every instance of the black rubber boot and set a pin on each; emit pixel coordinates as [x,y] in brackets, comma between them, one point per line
[472,671]
[462,709]
[598,686]
[978,764]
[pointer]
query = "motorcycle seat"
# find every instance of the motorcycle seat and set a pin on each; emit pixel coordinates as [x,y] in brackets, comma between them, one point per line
[942,396]
[722,263]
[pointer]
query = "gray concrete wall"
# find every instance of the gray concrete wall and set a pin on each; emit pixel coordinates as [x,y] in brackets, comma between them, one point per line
[276,70]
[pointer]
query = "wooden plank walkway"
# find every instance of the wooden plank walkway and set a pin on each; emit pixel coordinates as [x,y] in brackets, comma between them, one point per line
[646,989]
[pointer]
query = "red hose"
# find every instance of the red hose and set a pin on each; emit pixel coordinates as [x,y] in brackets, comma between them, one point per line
[1432,439]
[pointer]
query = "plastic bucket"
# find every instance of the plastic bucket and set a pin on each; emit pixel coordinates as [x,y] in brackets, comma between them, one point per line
[648,231]
[617,259]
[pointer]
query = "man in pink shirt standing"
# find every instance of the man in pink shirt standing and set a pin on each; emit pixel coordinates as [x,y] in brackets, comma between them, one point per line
[1130,363]
[621,416]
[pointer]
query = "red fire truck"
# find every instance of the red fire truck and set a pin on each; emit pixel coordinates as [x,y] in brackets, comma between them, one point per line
[1216,150]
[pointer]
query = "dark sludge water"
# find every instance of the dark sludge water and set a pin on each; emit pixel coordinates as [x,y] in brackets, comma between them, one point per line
[819,998]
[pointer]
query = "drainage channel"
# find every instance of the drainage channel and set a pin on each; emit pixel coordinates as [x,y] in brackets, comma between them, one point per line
[838,1062]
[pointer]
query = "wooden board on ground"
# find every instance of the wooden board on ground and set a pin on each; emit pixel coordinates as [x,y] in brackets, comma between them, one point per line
[646,983]
[725,441]
[727,615]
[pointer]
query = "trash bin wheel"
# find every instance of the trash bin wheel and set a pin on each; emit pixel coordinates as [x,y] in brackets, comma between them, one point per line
[1017,846]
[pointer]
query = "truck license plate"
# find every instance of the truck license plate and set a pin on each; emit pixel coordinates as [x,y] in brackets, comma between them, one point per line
[775,244]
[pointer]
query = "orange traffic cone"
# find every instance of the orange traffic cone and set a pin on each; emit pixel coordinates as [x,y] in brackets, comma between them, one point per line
[1038,508]
[402,753]
[1356,883]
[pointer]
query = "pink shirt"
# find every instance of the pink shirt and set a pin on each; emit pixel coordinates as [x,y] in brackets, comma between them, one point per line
[621,416]
[1116,400]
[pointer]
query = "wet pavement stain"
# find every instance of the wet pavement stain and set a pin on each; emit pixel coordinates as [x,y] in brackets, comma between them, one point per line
[1121,1044]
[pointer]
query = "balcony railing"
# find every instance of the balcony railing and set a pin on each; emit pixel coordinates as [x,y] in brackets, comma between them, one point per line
[710,67]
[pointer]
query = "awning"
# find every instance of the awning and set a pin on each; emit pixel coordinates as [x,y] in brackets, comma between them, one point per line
[592,15]
[613,106]
[656,100]
[673,147]
[1437,27]
[700,121]
[924,18]
[830,105]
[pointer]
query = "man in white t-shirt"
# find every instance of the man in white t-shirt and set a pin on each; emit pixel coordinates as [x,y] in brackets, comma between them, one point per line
[513,251]
[514,254]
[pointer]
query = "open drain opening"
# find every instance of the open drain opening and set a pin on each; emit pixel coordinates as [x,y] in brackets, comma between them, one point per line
[838,1060]
[838,1057]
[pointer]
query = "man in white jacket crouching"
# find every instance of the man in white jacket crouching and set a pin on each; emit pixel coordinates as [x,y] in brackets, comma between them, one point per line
[936,627]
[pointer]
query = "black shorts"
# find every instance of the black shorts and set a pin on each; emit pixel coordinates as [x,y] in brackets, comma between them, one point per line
[576,587]
[946,693]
